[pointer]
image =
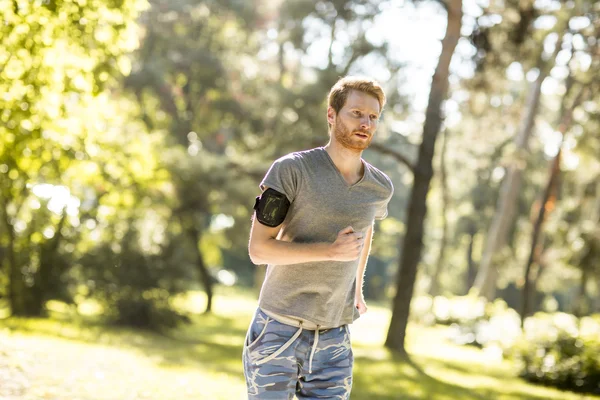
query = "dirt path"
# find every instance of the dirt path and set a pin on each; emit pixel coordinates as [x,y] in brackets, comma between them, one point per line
[13,380]
[38,367]
[46,368]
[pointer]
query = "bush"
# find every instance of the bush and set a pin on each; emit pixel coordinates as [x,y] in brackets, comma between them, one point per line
[447,310]
[472,320]
[560,350]
[553,349]
[151,311]
[135,288]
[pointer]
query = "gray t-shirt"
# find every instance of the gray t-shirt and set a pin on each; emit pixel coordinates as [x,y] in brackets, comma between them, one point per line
[322,204]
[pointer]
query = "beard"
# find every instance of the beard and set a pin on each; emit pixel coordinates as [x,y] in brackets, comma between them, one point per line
[347,138]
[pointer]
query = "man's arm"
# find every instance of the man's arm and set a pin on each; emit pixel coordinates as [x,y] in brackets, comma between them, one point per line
[360,272]
[265,248]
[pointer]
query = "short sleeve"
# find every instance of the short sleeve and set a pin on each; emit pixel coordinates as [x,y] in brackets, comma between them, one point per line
[283,176]
[382,210]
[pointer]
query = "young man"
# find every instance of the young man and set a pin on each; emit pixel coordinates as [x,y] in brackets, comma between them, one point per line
[313,227]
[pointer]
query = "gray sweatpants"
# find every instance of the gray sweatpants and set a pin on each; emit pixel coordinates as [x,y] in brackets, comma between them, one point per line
[281,361]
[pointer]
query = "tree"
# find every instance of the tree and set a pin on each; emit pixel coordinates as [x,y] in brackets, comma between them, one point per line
[183,87]
[485,282]
[434,288]
[417,209]
[38,146]
[548,199]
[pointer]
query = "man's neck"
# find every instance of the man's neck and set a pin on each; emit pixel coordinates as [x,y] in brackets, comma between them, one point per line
[347,161]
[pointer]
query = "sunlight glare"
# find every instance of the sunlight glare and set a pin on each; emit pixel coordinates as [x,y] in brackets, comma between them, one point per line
[59,197]
[544,22]
[49,232]
[552,141]
[579,23]
[220,222]
[227,278]
[514,72]
[550,43]
[532,74]
[570,161]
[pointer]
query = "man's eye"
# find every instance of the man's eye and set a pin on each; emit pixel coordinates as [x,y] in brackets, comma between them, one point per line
[357,113]
[374,117]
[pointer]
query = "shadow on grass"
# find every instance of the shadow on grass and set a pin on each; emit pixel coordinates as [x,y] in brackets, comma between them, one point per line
[396,377]
[211,342]
[401,378]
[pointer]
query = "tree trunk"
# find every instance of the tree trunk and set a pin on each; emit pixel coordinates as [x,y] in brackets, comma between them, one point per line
[417,209]
[537,229]
[16,286]
[471,269]
[48,272]
[545,202]
[596,304]
[434,289]
[581,304]
[506,208]
[195,237]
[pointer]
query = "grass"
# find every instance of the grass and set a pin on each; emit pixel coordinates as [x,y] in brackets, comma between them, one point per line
[61,360]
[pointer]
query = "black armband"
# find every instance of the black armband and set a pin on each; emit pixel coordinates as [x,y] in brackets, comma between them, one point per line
[271,208]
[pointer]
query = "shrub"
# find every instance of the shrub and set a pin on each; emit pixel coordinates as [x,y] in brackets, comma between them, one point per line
[152,310]
[447,310]
[555,349]
[560,350]
[135,288]
[472,320]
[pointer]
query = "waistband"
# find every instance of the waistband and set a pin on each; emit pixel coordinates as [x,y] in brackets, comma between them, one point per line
[295,321]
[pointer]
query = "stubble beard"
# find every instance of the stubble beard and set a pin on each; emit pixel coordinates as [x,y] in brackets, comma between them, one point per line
[346,138]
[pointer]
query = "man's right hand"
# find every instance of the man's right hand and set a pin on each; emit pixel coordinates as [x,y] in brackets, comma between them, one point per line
[347,245]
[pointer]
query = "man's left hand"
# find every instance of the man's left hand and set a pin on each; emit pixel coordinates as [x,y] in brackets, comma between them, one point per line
[360,304]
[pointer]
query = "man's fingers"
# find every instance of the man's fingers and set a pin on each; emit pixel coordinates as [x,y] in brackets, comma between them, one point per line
[355,236]
[351,238]
[355,244]
[346,230]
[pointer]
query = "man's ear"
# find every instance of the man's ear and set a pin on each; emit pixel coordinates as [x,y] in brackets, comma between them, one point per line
[331,115]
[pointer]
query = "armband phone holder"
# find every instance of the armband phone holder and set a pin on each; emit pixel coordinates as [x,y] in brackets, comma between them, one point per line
[271,208]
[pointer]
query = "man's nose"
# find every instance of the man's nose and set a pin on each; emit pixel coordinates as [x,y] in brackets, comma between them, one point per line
[365,123]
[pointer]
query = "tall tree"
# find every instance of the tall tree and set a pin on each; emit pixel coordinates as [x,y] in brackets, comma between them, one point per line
[47,72]
[504,217]
[423,172]
[548,199]
[434,288]
[184,87]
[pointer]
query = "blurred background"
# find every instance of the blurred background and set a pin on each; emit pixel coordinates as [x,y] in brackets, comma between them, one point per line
[133,137]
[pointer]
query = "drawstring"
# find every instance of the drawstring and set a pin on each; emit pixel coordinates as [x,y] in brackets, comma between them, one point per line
[314,348]
[289,342]
[283,348]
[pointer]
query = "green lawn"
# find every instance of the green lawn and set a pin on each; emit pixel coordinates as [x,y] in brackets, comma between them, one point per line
[51,359]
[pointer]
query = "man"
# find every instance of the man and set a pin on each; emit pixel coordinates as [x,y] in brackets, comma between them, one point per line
[313,227]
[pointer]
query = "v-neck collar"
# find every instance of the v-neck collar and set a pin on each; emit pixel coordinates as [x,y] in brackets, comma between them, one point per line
[339,174]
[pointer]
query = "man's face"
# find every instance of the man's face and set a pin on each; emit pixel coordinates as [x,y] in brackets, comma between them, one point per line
[354,126]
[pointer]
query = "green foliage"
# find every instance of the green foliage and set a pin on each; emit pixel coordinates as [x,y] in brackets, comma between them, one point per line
[133,282]
[472,319]
[152,310]
[553,349]
[72,181]
[57,58]
[559,350]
